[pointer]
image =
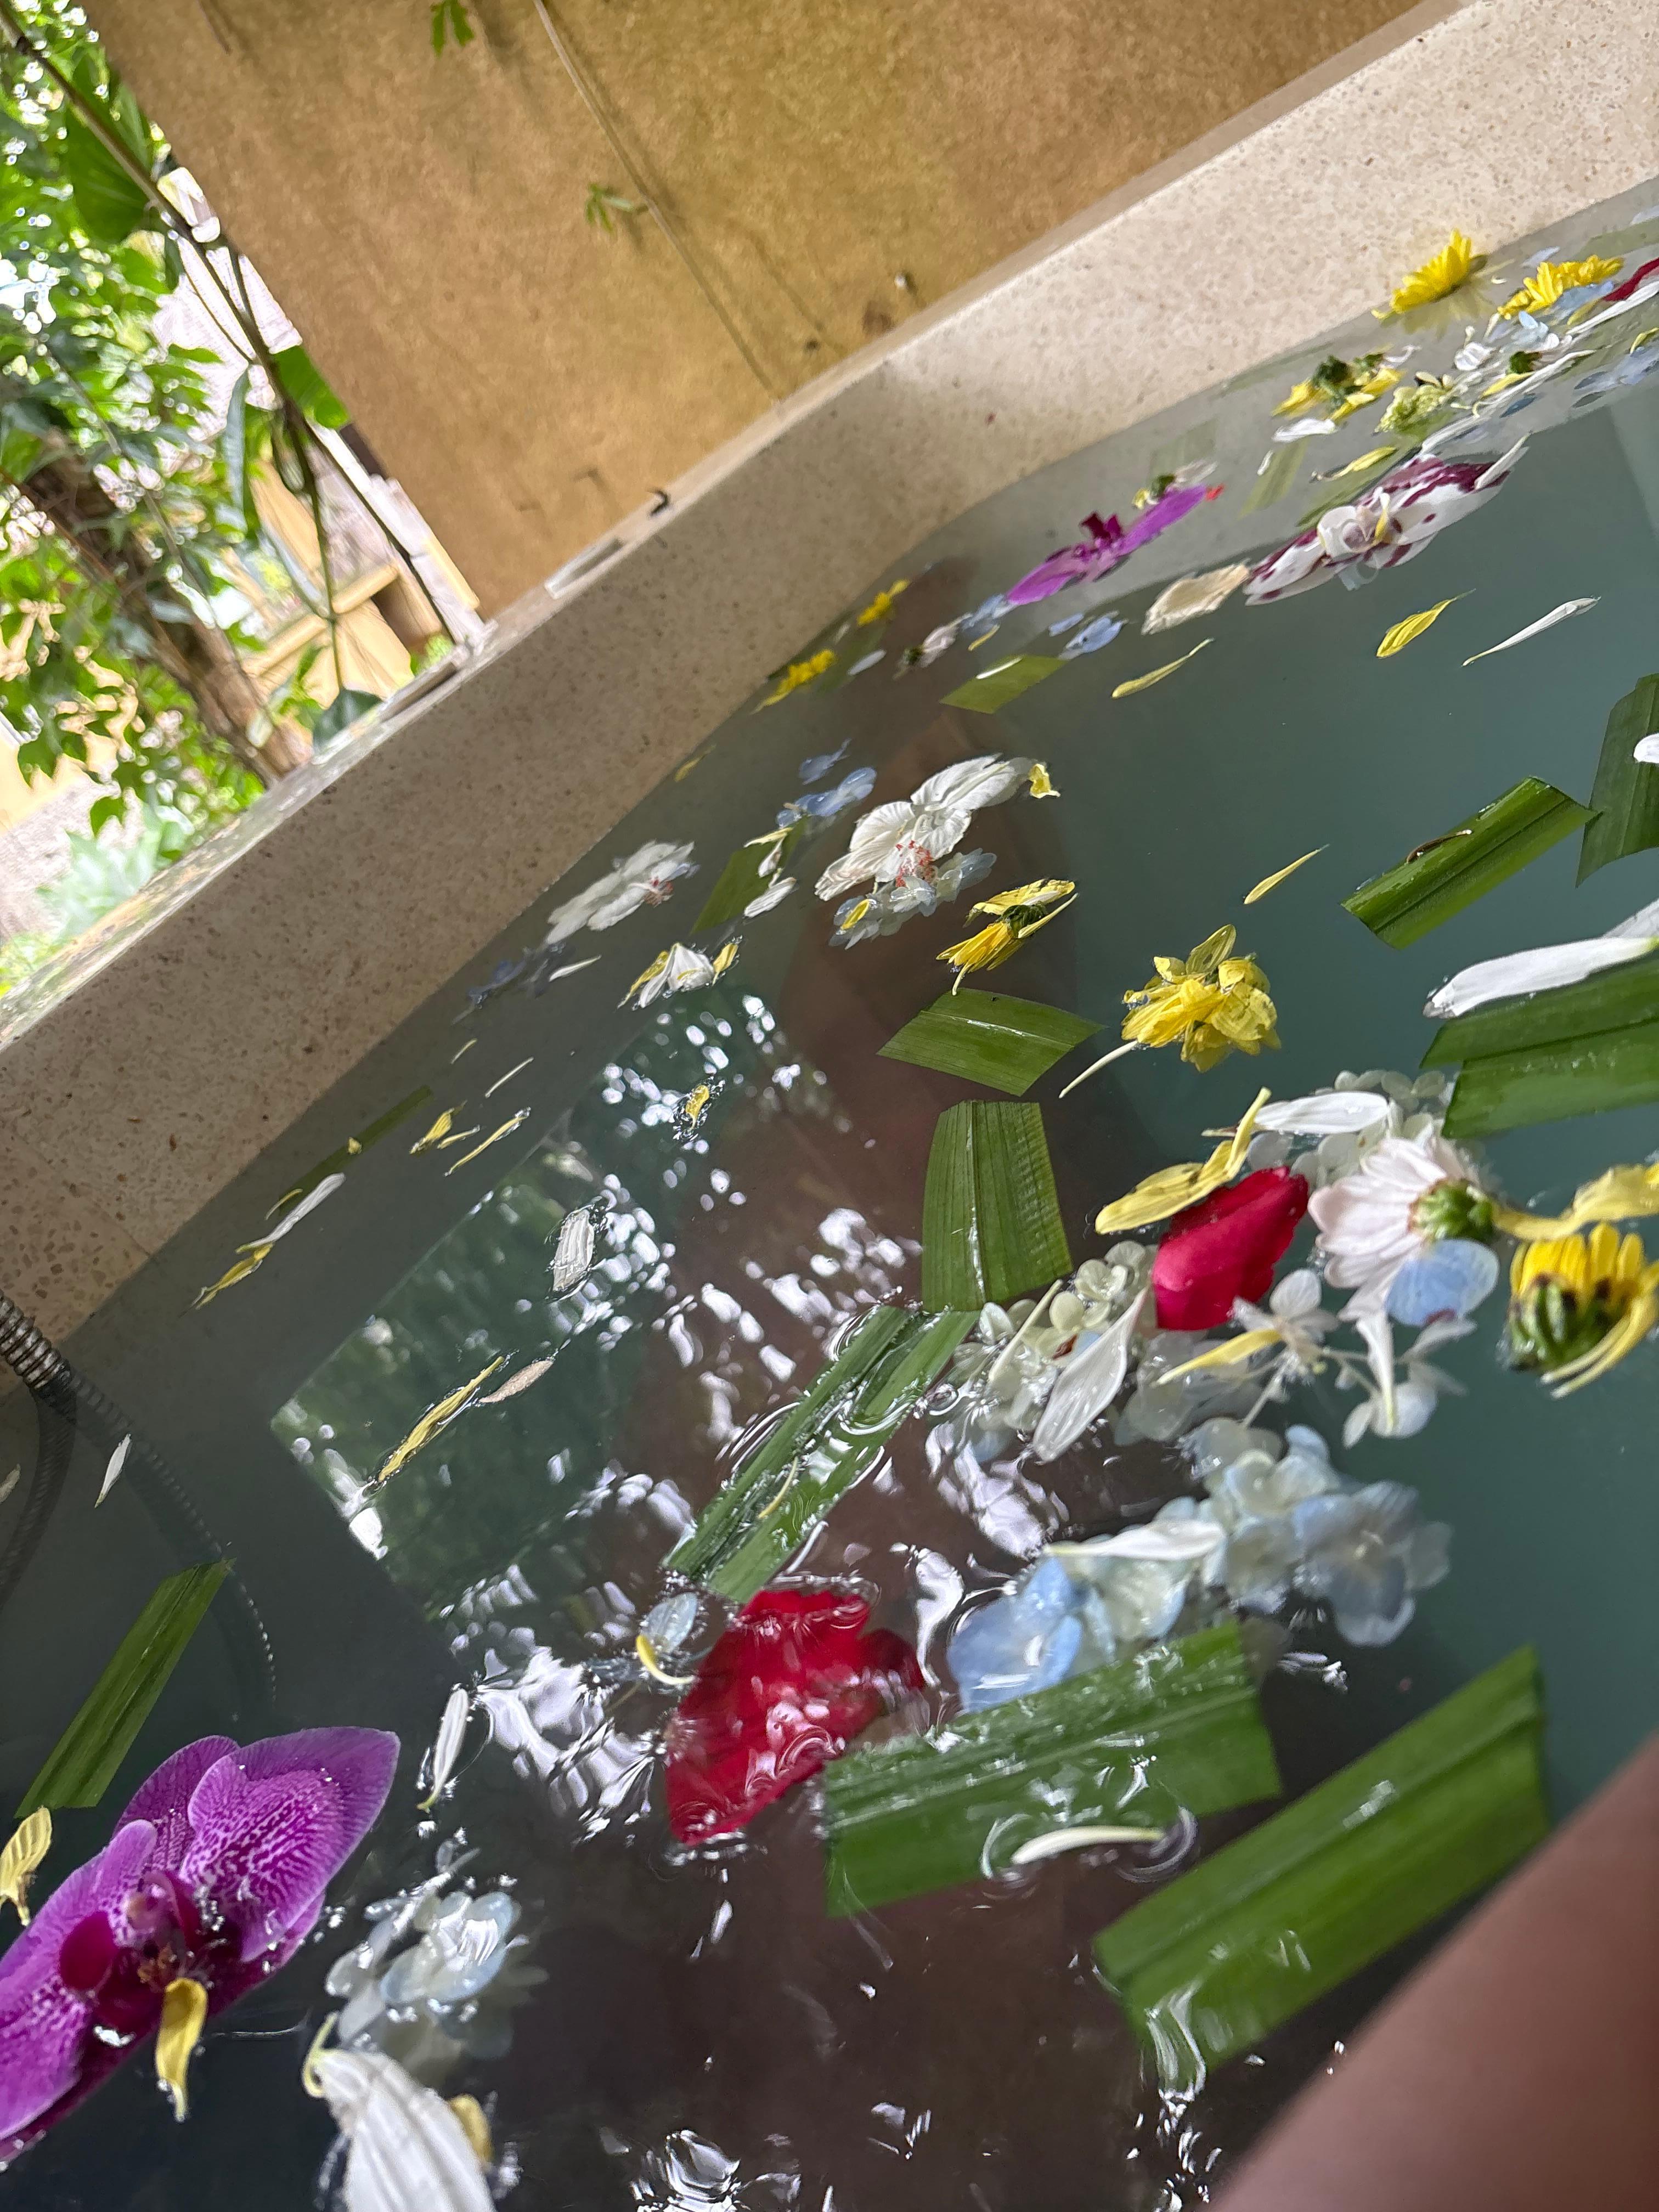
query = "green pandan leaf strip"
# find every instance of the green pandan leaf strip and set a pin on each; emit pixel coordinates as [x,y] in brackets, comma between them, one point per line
[1556,1082]
[1210,1965]
[983,1037]
[984,693]
[1617,998]
[826,1441]
[1125,1746]
[88,1756]
[1627,794]
[740,880]
[1451,872]
[991,1227]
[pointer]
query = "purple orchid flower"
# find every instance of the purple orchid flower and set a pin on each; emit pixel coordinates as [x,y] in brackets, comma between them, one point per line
[1391,522]
[217,1871]
[1107,544]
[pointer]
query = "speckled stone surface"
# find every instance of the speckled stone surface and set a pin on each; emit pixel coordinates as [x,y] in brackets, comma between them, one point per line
[248,988]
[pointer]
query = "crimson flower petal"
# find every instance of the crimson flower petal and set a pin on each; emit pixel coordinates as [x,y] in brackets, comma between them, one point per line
[1226,1248]
[784,1691]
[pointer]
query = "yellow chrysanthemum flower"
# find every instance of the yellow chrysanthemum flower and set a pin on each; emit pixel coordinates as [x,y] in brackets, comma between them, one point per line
[882,605]
[1018,914]
[1578,1304]
[1552,278]
[800,673]
[1212,1002]
[1455,264]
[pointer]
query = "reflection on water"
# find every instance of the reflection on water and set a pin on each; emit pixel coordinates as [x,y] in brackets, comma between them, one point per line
[651,2025]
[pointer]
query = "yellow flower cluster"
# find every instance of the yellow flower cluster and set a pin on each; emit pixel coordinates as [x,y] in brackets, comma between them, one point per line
[798,674]
[1019,913]
[882,605]
[1213,1002]
[1568,1289]
[1455,264]
[1552,278]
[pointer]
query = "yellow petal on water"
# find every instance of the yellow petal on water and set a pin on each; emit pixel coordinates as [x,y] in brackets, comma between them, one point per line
[474,2126]
[646,976]
[882,605]
[1624,1193]
[1171,1189]
[467,1047]
[1272,883]
[686,766]
[183,2008]
[440,1129]
[1397,639]
[255,1256]
[697,1105]
[20,1857]
[1237,1349]
[646,1652]
[974,643]
[1039,783]
[429,1424]
[1157,675]
[854,915]
[457,1137]
[1354,468]
[726,955]
[493,1137]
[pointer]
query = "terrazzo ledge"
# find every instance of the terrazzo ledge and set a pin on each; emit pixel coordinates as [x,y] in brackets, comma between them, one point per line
[263,967]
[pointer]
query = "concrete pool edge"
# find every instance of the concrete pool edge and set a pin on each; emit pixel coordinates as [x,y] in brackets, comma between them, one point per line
[128,1104]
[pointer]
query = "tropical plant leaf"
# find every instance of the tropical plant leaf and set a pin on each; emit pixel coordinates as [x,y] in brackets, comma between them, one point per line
[740,880]
[983,1037]
[1556,1083]
[1626,796]
[1613,998]
[990,1219]
[1176,1726]
[1275,478]
[309,389]
[1451,872]
[344,708]
[826,1441]
[85,1758]
[984,693]
[1208,1966]
[111,204]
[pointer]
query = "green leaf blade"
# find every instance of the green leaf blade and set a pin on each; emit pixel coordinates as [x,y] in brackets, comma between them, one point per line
[991,1222]
[740,880]
[1617,998]
[88,1756]
[1404,903]
[1247,1939]
[309,389]
[1626,796]
[984,1037]
[1128,1745]
[983,694]
[1556,1082]
[826,1441]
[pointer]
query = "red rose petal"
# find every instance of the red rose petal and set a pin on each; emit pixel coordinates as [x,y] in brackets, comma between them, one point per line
[1226,1248]
[784,1690]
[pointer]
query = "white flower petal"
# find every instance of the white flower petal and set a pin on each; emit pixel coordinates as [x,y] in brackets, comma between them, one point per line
[574,1254]
[451,1734]
[408,2149]
[1088,1383]
[1326,1113]
[1549,968]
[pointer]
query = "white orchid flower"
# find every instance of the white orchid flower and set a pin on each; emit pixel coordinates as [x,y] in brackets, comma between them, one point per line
[907,836]
[1549,968]
[644,879]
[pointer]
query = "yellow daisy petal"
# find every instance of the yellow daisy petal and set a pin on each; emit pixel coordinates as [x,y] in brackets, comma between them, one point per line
[1157,675]
[1272,883]
[183,2008]
[21,1855]
[1397,639]
[1170,1189]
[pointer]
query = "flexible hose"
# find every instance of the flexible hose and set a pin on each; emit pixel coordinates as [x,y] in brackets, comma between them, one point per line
[62,1393]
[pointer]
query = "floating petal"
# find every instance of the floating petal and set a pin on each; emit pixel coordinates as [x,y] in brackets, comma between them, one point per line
[408,2147]
[451,1734]
[1272,883]
[183,2008]
[1189,597]
[21,1855]
[493,1137]
[1157,675]
[516,1383]
[1171,1189]
[429,1424]
[1565,612]
[1451,1277]
[117,1459]
[1550,967]
[1397,639]
[574,1254]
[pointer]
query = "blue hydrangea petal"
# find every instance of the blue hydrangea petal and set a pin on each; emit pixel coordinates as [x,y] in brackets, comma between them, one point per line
[1451,1277]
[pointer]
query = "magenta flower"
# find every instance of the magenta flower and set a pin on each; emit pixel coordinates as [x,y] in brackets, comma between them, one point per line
[1107,544]
[216,1873]
[1390,523]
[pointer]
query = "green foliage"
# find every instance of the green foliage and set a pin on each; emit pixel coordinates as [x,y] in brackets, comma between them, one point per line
[123,510]
[306,385]
[451,19]
[104,872]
